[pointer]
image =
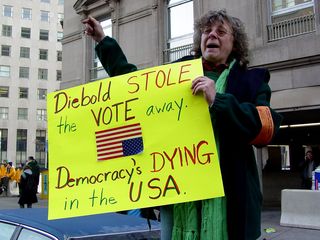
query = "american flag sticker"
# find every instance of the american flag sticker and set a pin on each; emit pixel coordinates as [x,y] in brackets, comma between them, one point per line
[118,142]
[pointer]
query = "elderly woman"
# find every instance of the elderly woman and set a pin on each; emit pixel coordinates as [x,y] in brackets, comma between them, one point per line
[239,105]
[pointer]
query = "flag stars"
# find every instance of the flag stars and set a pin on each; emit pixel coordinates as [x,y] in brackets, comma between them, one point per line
[132,146]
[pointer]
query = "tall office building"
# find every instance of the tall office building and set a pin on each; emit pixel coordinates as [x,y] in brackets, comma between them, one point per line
[30,67]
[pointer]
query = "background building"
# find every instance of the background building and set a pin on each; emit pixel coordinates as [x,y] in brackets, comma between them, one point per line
[284,36]
[30,67]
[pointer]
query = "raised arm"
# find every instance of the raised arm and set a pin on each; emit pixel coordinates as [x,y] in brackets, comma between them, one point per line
[93,29]
[108,50]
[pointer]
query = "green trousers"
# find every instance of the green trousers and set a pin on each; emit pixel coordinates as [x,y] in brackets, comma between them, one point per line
[200,220]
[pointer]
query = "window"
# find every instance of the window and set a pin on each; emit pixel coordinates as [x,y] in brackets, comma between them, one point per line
[45,1]
[23,93]
[4,91]
[180,29]
[59,36]
[42,94]
[21,154]
[60,17]
[4,113]
[41,114]
[60,2]
[4,71]
[290,18]
[6,30]
[43,54]
[180,14]
[28,234]
[23,72]
[287,9]
[97,71]
[59,56]
[26,13]
[25,32]
[24,52]
[7,229]
[44,16]
[3,149]
[23,113]
[59,75]
[7,11]
[42,74]
[44,35]
[5,50]
[41,146]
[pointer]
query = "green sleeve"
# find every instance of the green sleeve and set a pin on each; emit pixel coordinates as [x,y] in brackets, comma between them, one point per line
[112,58]
[241,121]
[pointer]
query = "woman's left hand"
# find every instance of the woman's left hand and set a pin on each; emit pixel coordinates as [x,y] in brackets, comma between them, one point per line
[205,85]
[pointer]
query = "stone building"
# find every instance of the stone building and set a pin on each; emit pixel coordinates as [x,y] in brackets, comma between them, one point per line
[284,36]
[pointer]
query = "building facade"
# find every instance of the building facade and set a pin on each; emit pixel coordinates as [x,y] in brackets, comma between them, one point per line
[30,67]
[284,36]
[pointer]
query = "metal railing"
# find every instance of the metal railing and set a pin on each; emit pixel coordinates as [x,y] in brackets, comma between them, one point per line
[170,55]
[291,27]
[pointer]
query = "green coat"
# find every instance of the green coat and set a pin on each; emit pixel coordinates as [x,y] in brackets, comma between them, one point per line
[236,123]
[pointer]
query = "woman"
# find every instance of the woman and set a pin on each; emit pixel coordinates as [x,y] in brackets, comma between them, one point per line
[27,188]
[239,105]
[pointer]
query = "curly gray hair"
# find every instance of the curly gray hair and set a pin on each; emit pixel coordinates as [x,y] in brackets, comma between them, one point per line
[241,49]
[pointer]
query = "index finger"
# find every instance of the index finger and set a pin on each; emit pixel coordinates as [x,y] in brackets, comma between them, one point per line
[195,81]
[84,21]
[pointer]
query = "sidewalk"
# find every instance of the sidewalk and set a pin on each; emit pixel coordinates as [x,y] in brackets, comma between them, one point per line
[12,202]
[270,220]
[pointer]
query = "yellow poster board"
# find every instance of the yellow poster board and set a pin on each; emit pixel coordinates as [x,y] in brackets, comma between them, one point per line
[131,141]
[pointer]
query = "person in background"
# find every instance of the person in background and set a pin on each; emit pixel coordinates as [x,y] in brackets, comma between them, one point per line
[3,173]
[33,164]
[239,104]
[7,174]
[307,166]
[28,193]
[18,173]
[10,176]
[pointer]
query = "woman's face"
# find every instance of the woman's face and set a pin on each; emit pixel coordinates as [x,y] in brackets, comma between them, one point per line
[217,42]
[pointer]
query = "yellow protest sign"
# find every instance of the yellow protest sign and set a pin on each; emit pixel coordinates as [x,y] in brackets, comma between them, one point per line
[132,141]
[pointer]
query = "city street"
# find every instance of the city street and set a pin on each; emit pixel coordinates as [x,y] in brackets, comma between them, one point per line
[12,202]
[270,228]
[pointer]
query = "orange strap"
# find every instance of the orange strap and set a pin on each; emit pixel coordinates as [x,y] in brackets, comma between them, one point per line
[266,132]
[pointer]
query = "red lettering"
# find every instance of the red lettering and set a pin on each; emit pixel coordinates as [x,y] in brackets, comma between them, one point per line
[170,159]
[74,103]
[154,187]
[134,84]
[167,187]
[155,169]
[139,192]
[183,72]
[163,80]
[192,156]
[147,78]
[65,176]
[205,154]
[168,83]
[114,113]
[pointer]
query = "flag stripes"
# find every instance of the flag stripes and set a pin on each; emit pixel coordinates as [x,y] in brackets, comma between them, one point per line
[110,142]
